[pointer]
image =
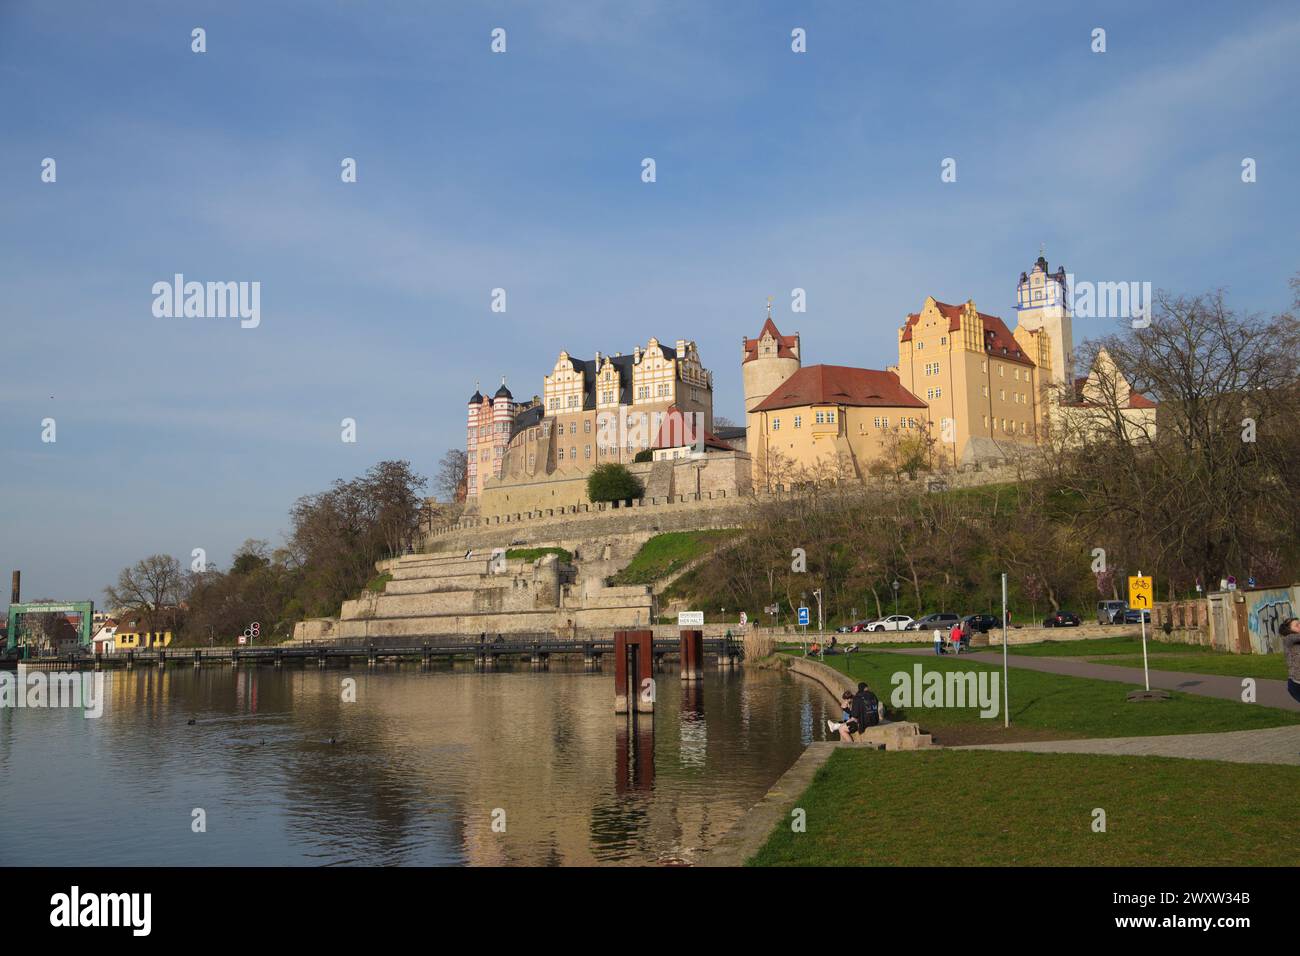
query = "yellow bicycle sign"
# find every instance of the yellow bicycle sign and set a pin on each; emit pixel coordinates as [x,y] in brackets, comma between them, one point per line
[1140,593]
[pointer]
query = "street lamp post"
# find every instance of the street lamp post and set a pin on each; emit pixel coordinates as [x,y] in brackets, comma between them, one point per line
[896,586]
[818,595]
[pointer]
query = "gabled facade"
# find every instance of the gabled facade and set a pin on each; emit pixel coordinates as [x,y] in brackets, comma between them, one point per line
[978,381]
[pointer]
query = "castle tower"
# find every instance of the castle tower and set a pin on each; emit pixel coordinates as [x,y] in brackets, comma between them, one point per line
[1042,305]
[767,361]
[477,406]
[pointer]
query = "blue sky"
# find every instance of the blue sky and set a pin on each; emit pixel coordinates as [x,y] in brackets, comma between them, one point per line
[522,170]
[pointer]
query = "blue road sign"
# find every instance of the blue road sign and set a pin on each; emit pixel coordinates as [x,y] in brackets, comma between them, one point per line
[803,616]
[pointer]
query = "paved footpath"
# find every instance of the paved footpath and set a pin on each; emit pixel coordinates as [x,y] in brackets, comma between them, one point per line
[1269,693]
[1271,745]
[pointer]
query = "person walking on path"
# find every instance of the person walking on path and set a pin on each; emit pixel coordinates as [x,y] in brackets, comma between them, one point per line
[1290,632]
[938,641]
[954,637]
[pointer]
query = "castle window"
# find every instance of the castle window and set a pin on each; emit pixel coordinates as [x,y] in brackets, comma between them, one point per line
[986,391]
[573,454]
[1002,395]
[830,418]
[798,421]
[560,454]
[943,340]
[573,428]
[821,418]
[776,424]
[587,452]
[586,426]
[919,346]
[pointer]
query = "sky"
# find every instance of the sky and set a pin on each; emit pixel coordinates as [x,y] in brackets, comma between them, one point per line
[522,170]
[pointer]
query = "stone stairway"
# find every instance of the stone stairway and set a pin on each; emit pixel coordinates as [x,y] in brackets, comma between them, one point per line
[430,595]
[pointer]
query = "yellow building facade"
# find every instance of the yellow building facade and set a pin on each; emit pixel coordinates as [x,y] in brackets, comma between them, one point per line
[135,634]
[979,382]
[830,422]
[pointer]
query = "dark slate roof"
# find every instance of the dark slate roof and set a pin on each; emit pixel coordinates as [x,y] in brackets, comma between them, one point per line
[530,416]
[728,432]
[503,392]
[476,398]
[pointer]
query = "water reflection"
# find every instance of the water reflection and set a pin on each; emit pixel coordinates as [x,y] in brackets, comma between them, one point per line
[416,771]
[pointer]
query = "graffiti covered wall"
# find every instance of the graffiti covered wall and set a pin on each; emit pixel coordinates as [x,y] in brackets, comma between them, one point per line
[1265,610]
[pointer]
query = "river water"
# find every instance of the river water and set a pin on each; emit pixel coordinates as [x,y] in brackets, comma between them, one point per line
[441,767]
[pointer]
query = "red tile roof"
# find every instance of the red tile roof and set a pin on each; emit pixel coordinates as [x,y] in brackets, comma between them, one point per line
[784,343]
[998,339]
[840,385]
[678,429]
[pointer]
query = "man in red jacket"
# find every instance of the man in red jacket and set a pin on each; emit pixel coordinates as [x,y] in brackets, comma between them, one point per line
[954,637]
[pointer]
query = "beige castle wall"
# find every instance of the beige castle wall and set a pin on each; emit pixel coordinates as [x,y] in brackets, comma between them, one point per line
[848,448]
[715,473]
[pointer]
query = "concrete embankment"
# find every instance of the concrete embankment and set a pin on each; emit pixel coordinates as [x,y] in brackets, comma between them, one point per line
[752,830]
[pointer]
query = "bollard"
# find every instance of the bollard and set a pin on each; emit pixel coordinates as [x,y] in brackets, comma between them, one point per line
[692,655]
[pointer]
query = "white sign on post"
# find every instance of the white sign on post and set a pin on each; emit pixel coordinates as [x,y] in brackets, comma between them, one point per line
[690,619]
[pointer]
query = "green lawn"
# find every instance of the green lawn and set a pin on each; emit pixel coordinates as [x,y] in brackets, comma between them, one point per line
[1123,643]
[993,808]
[1126,651]
[1053,706]
[532,554]
[1259,666]
[665,553]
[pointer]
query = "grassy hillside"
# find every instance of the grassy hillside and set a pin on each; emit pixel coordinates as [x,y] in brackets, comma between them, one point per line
[666,553]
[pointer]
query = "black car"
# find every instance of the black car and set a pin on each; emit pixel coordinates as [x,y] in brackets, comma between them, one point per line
[1133,616]
[1062,619]
[979,623]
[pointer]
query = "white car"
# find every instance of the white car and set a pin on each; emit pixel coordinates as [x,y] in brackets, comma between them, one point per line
[895,622]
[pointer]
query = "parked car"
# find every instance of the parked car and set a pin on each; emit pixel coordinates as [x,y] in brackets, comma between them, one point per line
[1133,616]
[931,621]
[853,627]
[979,623]
[1111,612]
[1061,619]
[895,622]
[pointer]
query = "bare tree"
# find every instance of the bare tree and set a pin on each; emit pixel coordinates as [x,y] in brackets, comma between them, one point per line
[451,481]
[1210,481]
[152,587]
